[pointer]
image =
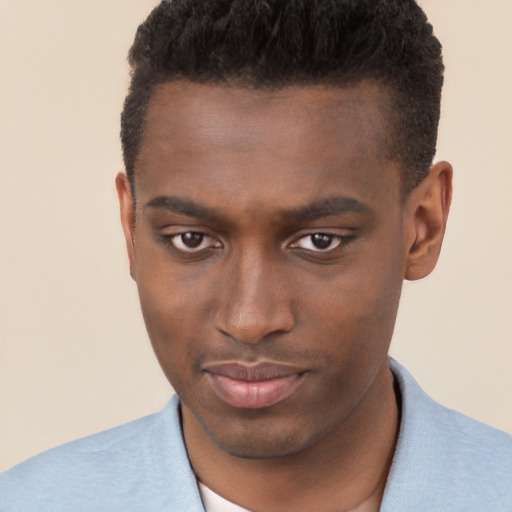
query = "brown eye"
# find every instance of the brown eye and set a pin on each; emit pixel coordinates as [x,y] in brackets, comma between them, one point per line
[193,241]
[318,242]
[321,241]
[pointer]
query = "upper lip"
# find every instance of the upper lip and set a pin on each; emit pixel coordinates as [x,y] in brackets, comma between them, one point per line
[252,372]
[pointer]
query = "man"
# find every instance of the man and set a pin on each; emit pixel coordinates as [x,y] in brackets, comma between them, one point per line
[279,188]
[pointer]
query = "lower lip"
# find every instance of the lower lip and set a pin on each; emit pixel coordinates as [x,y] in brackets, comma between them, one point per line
[256,394]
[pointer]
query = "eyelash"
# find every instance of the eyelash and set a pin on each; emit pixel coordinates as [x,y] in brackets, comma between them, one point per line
[171,241]
[322,236]
[341,241]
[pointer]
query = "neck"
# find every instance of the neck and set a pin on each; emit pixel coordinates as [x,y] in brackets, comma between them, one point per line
[346,470]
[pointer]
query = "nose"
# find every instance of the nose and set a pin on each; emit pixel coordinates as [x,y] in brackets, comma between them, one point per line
[253,301]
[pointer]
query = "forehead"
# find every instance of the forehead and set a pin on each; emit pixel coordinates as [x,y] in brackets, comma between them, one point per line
[294,138]
[213,110]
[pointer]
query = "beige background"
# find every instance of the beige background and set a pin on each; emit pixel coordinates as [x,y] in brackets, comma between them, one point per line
[74,356]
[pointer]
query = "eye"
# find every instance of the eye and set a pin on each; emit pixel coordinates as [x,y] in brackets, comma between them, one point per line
[318,242]
[192,241]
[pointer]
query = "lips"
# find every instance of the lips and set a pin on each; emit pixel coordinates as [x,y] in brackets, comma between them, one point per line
[253,386]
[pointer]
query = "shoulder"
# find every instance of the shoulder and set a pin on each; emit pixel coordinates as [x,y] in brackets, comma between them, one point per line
[116,469]
[448,460]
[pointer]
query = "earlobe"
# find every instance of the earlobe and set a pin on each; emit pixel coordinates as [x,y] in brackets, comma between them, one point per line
[426,215]
[127,217]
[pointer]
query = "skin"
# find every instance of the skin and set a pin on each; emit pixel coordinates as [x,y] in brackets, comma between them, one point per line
[253,176]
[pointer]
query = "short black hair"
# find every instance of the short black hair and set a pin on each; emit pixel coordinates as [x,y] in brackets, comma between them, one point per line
[279,43]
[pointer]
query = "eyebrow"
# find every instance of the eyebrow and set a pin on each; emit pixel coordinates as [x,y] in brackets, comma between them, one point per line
[183,206]
[327,207]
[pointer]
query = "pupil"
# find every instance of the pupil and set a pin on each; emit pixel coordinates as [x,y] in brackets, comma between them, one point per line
[321,241]
[192,240]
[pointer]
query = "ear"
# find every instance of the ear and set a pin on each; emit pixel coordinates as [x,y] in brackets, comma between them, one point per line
[426,214]
[127,217]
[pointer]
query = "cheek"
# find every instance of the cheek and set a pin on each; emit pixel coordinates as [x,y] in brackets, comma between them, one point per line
[170,293]
[176,310]
[173,330]
[356,309]
[353,326]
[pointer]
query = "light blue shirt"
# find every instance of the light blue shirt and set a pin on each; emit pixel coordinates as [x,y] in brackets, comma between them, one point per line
[444,461]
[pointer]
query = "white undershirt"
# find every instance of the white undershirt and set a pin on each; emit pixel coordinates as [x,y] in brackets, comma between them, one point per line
[214,503]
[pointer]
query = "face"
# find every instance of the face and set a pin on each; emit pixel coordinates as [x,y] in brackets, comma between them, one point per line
[269,251]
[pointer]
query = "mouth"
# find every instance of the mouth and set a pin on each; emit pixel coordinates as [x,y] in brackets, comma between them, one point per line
[253,386]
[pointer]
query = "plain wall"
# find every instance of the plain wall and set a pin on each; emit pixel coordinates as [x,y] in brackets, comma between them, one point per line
[74,355]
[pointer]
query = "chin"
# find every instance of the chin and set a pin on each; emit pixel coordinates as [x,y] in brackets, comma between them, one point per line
[262,440]
[259,448]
